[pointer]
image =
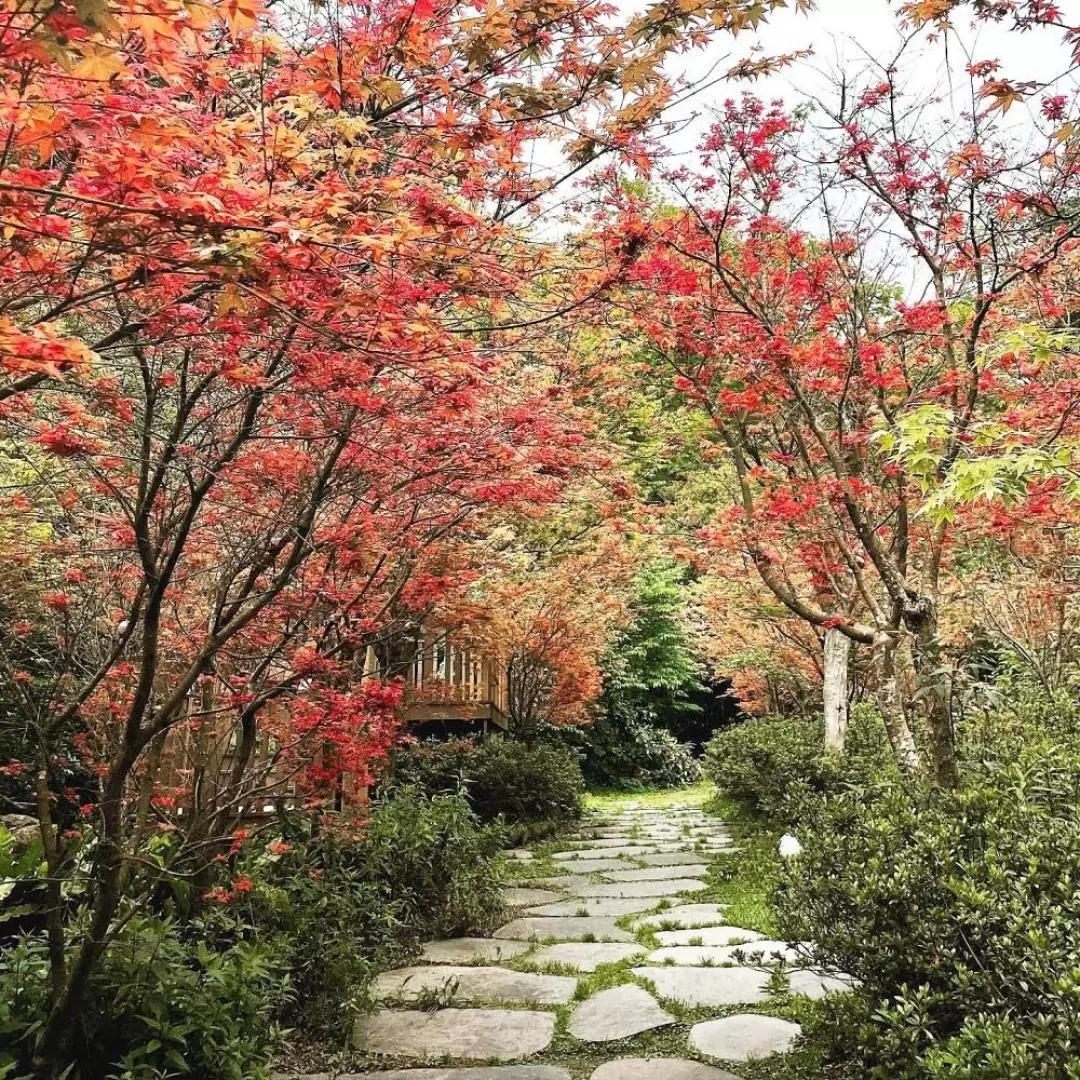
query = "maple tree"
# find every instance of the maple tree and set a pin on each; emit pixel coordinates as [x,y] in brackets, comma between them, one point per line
[843,407]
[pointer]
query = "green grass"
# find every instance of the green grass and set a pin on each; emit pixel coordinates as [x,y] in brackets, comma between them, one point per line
[654,798]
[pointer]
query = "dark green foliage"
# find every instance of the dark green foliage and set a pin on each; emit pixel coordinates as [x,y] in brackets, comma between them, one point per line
[162,1003]
[630,753]
[652,683]
[341,909]
[775,765]
[957,911]
[526,785]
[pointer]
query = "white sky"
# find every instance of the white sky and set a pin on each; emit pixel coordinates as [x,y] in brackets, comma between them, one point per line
[849,34]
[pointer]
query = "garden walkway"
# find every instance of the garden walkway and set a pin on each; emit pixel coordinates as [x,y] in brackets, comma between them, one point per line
[609,970]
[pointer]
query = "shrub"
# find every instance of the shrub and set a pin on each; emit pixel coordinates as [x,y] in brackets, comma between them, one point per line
[776,766]
[958,913]
[161,1003]
[340,909]
[629,751]
[524,784]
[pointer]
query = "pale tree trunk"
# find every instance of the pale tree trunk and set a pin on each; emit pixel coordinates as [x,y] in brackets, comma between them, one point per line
[837,657]
[892,711]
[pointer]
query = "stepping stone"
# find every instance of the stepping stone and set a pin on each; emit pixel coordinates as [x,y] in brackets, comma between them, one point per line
[609,908]
[762,951]
[489,1072]
[585,955]
[521,855]
[564,883]
[816,985]
[613,844]
[686,916]
[695,955]
[656,873]
[476,984]
[613,851]
[596,866]
[617,1014]
[529,897]
[467,950]
[670,858]
[708,935]
[460,1034]
[658,1069]
[571,928]
[628,889]
[744,1037]
[708,986]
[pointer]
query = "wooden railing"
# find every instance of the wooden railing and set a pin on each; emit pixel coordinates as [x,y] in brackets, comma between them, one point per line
[443,673]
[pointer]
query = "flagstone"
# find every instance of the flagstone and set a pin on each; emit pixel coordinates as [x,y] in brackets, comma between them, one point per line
[686,916]
[523,897]
[657,873]
[617,1014]
[671,858]
[708,986]
[465,950]
[744,1037]
[606,907]
[708,935]
[570,928]
[659,1069]
[816,984]
[483,1072]
[585,955]
[459,1034]
[629,889]
[476,984]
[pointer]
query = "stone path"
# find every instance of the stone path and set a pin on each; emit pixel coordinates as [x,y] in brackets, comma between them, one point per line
[606,953]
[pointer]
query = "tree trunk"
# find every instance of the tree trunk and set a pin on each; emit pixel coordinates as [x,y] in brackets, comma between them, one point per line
[837,655]
[892,712]
[921,620]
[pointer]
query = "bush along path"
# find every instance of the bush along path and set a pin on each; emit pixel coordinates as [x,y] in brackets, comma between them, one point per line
[614,966]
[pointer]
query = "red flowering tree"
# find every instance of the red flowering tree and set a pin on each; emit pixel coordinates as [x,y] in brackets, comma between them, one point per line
[844,407]
[257,283]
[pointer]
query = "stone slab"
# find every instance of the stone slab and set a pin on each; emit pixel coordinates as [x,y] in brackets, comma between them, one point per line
[617,1014]
[520,855]
[686,916]
[488,1072]
[708,935]
[598,866]
[659,1069]
[670,858]
[657,873]
[460,1034]
[529,897]
[602,850]
[816,984]
[694,955]
[585,955]
[609,908]
[744,1037]
[708,986]
[562,882]
[763,951]
[629,889]
[469,950]
[569,928]
[475,984]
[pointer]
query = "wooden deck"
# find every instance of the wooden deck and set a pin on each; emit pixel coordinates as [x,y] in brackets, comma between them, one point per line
[445,682]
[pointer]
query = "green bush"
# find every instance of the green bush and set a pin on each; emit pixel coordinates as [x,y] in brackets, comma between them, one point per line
[161,1003]
[957,911]
[627,751]
[526,785]
[340,909]
[777,766]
